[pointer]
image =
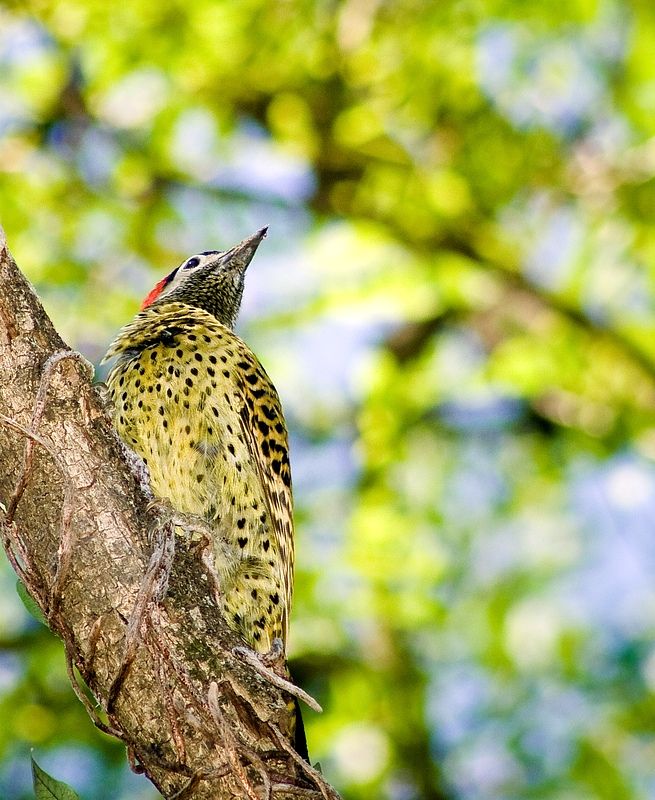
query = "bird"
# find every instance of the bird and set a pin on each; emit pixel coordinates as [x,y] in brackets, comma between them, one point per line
[194,402]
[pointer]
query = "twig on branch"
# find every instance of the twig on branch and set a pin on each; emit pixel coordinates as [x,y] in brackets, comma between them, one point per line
[151,592]
[326,790]
[233,749]
[88,705]
[290,688]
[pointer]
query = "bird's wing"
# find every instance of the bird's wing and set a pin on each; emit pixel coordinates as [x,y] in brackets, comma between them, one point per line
[264,431]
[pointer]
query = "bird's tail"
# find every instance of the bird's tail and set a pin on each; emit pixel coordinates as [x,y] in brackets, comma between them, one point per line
[299,738]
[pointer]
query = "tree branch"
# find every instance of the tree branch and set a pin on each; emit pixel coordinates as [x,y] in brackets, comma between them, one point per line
[133,602]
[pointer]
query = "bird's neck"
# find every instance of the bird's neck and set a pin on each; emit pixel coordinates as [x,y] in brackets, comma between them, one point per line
[160,323]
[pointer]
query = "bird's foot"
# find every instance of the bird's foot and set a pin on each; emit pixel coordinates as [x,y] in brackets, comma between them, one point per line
[199,539]
[193,529]
[195,535]
[276,658]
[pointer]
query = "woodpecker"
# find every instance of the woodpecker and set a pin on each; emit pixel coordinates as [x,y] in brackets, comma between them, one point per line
[192,399]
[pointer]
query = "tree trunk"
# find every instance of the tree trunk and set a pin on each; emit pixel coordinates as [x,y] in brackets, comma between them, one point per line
[134,603]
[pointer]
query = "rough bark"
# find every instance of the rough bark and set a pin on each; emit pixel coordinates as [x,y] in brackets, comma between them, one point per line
[134,603]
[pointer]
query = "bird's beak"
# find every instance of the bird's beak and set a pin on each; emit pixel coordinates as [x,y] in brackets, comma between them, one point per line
[242,254]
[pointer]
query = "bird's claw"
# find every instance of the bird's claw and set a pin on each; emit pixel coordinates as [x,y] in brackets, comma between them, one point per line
[188,526]
[275,659]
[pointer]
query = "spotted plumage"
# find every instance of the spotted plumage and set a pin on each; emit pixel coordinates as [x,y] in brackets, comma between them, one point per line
[194,402]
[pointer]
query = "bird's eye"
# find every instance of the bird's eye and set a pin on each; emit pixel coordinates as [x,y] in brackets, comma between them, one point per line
[192,262]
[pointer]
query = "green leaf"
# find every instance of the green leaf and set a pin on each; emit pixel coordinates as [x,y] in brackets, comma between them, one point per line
[30,604]
[47,788]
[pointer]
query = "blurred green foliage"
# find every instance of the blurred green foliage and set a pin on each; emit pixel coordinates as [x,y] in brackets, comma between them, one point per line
[457,303]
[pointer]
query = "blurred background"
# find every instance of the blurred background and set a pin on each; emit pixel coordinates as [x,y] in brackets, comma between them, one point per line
[456,302]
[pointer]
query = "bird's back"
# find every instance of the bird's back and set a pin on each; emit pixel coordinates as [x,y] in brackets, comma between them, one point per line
[194,402]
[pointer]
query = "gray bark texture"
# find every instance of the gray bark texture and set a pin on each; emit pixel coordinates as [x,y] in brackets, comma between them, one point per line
[134,603]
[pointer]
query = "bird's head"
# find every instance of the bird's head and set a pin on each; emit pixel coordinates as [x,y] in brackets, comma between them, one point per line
[212,280]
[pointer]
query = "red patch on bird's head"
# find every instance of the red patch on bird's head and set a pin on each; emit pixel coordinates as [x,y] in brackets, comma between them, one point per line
[158,289]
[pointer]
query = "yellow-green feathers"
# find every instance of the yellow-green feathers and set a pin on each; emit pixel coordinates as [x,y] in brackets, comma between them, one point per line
[195,403]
